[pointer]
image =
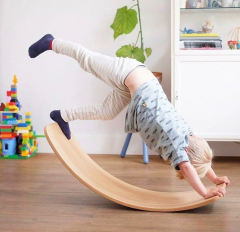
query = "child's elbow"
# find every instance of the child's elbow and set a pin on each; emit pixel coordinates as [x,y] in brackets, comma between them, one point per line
[185,167]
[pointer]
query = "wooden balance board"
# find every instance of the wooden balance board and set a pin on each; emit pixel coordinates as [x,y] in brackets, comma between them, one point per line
[77,161]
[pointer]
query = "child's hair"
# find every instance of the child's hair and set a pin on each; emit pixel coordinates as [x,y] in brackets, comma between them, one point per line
[200,156]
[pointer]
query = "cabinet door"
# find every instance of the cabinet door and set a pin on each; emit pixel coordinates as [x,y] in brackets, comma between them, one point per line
[206,92]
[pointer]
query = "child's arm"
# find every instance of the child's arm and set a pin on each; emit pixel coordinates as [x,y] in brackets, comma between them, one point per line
[215,179]
[193,179]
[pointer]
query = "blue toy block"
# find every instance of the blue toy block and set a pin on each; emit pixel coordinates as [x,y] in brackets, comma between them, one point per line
[12,122]
[18,105]
[22,125]
[9,146]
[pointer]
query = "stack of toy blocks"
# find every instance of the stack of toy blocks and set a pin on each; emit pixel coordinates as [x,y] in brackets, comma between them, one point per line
[11,118]
[17,139]
[14,104]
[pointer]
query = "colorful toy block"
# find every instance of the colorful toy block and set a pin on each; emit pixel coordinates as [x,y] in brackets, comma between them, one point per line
[9,146]
[17,138]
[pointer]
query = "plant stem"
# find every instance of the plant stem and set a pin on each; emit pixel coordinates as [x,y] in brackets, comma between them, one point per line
[133,6]
[137,38]
[140,24]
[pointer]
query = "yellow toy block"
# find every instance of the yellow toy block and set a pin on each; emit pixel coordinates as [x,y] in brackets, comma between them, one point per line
[15,80]
[12,107]
[28,113]
[33,149]
[24,153]
[23,128]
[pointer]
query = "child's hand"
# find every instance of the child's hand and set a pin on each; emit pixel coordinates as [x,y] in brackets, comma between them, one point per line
[221,180]
[215,192]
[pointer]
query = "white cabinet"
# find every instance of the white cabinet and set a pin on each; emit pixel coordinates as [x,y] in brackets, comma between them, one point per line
[206,87]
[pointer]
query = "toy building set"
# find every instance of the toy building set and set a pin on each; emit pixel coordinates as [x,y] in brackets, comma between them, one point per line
[18,140]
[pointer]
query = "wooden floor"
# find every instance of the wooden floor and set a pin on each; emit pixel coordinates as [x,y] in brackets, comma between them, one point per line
[39,194]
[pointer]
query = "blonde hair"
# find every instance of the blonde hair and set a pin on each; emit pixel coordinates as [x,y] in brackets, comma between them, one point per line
[200,156]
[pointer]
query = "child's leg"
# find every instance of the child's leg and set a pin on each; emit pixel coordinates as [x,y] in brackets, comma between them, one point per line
[112,105]
[111,70]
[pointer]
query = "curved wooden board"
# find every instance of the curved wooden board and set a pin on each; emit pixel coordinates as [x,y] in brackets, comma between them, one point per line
[77,161]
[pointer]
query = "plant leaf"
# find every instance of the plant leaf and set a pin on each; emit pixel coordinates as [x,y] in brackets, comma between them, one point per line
[124,22]
[131,52]
[148,51]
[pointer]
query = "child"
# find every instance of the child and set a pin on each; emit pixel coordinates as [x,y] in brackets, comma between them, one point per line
[149,112]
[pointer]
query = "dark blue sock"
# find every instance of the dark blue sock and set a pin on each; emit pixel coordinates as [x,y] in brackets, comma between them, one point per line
[41,46]
[56,116]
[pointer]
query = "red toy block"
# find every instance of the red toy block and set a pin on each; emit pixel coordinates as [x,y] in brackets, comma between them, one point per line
[6,133]
[5,127]
[12,137]
[2,107]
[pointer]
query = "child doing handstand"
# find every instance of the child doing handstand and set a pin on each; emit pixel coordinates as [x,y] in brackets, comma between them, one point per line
[149,112]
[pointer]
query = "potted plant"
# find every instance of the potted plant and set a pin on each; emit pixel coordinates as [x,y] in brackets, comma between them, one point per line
[125,22]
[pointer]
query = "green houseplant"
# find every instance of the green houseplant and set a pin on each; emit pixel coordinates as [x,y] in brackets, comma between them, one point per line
[125,22]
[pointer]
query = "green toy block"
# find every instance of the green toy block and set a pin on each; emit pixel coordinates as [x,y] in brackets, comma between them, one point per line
[6,130]
[19,156]
[24,148]
[39,136]
[25,141]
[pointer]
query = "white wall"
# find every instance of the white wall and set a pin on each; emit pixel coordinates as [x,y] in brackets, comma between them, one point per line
[53,81]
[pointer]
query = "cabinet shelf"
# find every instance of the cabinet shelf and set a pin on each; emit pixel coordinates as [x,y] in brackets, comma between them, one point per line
[211,10]
[223,52]
[203,81]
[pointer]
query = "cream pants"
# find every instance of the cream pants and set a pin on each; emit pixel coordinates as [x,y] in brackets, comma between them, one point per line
[112,71]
